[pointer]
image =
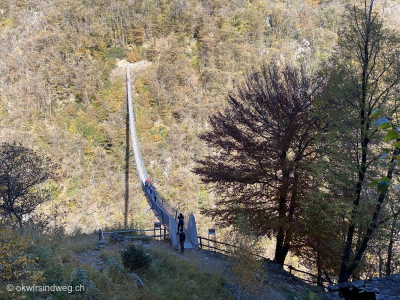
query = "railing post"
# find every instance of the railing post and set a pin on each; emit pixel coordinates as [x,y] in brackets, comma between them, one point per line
[290,269]
[101,234]
[319,278]
[201,244]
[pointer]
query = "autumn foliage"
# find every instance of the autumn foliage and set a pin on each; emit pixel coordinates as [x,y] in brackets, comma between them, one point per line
[15,262]
[265,143]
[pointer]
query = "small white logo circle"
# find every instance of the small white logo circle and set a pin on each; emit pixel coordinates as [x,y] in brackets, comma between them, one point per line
[10,287]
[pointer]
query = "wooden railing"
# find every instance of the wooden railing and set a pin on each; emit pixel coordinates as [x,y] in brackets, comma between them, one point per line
[157,233]
[202,244]
[316,279]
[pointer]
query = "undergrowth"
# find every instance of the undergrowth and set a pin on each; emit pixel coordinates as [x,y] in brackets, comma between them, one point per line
[166,276]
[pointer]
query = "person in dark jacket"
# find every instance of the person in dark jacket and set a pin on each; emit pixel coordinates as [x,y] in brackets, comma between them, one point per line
[182,238]
[180,222]
[151,190]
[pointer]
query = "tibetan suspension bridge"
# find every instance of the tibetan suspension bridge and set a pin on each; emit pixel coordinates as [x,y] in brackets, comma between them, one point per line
[161,208]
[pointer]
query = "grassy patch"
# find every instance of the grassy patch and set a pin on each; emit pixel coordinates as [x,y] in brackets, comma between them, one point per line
[168,276]
[171,277]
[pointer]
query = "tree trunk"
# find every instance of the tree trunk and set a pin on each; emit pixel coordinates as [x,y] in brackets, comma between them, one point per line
[343,275]
[380,264]
[282,247]
[390,248]
[349,268]
[319,274]
[364,128]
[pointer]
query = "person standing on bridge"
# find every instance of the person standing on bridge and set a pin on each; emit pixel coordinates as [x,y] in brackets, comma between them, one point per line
[180,222]
[151,190]
[182,238]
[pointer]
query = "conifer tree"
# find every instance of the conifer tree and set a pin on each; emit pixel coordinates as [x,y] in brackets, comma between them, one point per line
[263,145]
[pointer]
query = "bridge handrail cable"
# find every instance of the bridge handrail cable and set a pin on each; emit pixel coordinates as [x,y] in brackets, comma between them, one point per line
[161,207]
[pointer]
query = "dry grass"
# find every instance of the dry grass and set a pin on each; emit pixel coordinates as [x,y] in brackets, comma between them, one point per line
[73,260]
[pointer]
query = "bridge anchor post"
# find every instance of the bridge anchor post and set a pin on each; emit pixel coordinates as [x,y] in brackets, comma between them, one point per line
[172,232]
[192,231]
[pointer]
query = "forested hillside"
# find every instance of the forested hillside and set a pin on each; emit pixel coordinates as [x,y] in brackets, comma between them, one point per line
[61,94]
[57,93]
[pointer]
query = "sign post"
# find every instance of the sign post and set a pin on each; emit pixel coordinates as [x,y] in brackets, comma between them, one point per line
[157,225]
[211,232]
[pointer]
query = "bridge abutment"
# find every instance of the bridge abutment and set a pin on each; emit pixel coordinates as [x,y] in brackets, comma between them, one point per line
[172,232]
[192,231]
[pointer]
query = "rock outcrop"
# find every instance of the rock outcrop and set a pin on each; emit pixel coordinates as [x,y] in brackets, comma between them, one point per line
[385,288]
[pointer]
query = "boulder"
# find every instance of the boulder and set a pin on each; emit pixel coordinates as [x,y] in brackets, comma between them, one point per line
[101,244]
[138,281]
[385,288]
[117,237]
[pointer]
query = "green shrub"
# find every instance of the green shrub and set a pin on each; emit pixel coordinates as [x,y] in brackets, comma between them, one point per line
[116,52]
[115,270]
[83,285]
[135,258]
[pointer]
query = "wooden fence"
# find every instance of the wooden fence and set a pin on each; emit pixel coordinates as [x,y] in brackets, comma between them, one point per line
[157,233]
[315,279]
[205,243]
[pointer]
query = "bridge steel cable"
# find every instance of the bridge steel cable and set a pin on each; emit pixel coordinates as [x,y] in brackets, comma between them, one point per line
[140,169]
[161,208]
